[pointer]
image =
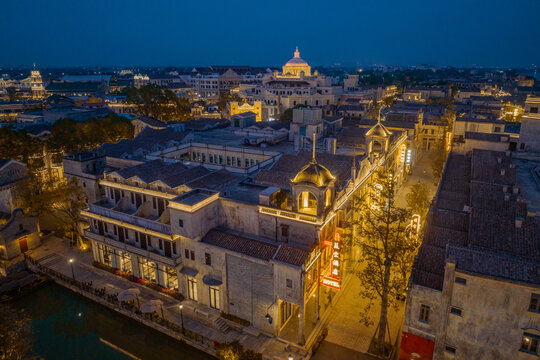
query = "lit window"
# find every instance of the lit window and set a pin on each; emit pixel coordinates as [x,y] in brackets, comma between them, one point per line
[529,343]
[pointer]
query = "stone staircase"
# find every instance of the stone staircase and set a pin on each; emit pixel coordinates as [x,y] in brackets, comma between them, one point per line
[221,325]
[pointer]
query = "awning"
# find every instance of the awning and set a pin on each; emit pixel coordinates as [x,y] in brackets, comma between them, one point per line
[210,281]
[189,271]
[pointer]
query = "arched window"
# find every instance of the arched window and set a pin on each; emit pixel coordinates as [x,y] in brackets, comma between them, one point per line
[307,203]
[376,146]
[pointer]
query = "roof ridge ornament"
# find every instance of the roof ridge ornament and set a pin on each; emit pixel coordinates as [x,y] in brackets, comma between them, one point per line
[297,53]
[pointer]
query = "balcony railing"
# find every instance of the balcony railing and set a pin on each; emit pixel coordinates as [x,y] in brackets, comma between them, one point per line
[288,214]
[131,219]
[132,249]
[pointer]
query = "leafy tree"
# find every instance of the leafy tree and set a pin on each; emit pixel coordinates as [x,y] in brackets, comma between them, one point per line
[68,135]
[235,351]
[158,101]
[288,114]
[388,101]
[418,200]
[225,97]
[386,251]
[19,146]
[12,93]
[437,159]
[15,342]
[40,196]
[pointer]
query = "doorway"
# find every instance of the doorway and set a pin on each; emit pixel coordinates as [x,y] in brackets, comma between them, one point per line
[23,244]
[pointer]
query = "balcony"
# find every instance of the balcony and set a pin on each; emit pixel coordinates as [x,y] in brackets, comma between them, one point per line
[114,211]
[289,214]
[132,249]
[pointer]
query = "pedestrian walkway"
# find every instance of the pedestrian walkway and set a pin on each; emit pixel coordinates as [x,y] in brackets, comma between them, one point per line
[56,253]
[347,335]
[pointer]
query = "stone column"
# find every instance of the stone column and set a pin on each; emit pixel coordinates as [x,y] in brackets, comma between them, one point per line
[135,265]
[301,319]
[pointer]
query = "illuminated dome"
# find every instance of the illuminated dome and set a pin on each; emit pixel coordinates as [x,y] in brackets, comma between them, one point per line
[296,66]
[315,174]
[296,60]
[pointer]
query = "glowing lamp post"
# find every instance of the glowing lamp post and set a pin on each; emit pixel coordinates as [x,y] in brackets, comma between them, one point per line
[182,316]
[72,271]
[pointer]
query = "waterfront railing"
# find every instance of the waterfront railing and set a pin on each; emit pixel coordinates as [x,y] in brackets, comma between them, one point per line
[100,295]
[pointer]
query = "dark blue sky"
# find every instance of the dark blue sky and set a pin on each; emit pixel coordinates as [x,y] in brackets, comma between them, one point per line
[328,32]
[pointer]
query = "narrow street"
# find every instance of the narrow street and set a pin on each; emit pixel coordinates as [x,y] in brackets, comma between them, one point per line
[348,338]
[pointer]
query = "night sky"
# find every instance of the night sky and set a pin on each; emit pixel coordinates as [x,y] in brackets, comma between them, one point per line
[57,33]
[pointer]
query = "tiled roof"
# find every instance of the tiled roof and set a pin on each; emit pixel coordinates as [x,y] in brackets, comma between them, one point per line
[151,170]
[152,121]
[205,124]
[496,264]
[240,244]
[213,181]
[485,136]
[477,219]
[259,249]
[146,140]
[289,165]
[292,255]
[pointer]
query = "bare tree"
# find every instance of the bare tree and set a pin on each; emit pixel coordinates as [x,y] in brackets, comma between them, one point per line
[386,250]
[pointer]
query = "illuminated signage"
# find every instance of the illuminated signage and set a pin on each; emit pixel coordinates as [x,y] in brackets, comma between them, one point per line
[334,280]
[330,282]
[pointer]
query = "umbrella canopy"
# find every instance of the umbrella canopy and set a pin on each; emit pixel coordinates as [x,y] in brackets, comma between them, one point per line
[128,294]
[151,306]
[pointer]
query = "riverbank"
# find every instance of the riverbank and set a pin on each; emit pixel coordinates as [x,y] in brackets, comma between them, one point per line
[66,325]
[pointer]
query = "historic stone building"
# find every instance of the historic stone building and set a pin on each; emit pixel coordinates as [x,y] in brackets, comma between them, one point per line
[250,231]
[474,292]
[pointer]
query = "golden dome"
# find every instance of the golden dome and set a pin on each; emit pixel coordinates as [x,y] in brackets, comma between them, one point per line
[296,61]
[315,174]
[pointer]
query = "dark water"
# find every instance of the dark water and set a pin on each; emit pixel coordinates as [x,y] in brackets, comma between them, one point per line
[66,325]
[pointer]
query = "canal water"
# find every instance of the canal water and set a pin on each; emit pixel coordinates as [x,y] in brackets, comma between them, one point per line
[66,325]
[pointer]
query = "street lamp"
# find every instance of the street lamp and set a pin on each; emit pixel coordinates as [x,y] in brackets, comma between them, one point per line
[182,317]
[72,271]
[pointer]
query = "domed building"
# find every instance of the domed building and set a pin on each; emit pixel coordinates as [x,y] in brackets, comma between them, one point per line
[313,189]
[296,67]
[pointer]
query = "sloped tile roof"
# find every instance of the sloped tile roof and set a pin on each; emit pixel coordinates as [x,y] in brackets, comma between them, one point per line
[240,244]
[292,255]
